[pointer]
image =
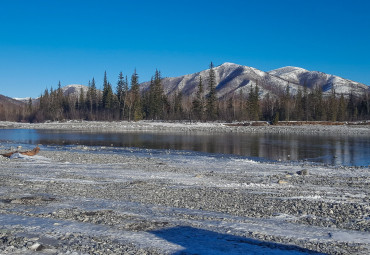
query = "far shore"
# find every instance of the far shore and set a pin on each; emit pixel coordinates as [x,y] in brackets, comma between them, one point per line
[294,127]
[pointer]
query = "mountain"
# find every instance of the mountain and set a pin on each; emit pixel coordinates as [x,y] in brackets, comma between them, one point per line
[314,78]
[74,90]
[26,99]
[233,79]
[9,108]
[7,101]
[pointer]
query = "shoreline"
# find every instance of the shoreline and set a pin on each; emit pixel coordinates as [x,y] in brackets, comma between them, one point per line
[152,126]
[93,201]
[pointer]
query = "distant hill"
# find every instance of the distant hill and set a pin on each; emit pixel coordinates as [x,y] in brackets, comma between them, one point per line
[7,101]
[9,108]
[72,90]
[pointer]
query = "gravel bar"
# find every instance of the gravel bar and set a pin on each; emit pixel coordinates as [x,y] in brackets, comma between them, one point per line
[104,200]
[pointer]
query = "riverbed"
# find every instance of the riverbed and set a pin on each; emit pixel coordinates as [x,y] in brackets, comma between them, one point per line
[101,200]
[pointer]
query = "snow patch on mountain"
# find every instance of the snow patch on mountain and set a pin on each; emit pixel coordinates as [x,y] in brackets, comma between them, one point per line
[313,79]
[231,79]
[74,90]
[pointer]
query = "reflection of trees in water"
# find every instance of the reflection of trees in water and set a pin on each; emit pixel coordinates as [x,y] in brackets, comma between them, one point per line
[330,149]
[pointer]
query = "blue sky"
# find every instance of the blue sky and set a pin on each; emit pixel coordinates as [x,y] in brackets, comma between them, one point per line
[44,41]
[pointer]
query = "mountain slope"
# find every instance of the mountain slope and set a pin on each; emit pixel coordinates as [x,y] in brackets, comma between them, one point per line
[231,79]
[7,101]
[9,107]
[314,78]
[74,90]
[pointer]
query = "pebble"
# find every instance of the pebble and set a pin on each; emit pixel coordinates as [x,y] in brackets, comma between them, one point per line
[306,205]
[36,247]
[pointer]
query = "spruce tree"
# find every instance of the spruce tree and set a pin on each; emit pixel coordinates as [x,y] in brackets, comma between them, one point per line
[298,109]
[81,100]
[136,98]
[287,103]
[198,102]
[94,97]
[121,94]
[305,103]
[253,103]
[107,94]
[332,106]
[211,97]
[157,99]
[177,105]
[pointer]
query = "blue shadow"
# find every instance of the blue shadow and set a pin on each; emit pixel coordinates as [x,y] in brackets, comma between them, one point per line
[200,241]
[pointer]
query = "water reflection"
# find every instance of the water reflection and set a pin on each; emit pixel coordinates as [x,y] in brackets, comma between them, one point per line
[336,150]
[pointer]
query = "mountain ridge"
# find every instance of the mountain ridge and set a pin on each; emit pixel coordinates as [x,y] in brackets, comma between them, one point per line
[234,79]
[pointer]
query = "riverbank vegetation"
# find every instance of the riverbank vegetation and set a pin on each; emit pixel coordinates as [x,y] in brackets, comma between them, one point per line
[127,101]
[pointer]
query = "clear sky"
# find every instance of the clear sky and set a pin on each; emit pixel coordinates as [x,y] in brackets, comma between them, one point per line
[72,41]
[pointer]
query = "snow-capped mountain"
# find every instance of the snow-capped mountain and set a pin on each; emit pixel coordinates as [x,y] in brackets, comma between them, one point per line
[314,78]
[4,101]
[233,79]
[74,90]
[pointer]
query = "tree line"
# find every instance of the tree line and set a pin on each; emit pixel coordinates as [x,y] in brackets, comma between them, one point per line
[126,101]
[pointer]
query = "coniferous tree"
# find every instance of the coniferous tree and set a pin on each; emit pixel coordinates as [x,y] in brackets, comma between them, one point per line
[351,107]
[253,103]
[242,111]
[198,102]
[211,97]
[89,99]
[156,104]
[59,93]
[177,106]
[94,97]
[121,93]
[332,106]
[298,106]
[305,103]
[135,98]
[341,108]
[317,103]
[287,103]
[81,100]
[107,100]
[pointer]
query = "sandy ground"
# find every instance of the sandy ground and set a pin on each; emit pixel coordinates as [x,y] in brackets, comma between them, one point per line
[98,200]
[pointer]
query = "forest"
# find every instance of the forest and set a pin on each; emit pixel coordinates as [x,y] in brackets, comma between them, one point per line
[127,101]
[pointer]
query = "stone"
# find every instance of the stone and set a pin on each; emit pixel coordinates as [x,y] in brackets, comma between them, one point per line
[282,182]
[36,247]
[303,172]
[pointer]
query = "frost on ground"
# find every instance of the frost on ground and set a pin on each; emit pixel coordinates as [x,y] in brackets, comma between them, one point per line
[92,200]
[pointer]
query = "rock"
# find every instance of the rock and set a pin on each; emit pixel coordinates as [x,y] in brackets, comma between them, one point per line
[302,172]
[36,247]
[282,182]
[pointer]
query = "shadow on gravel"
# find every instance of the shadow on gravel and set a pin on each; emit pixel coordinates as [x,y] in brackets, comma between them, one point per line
[200,241]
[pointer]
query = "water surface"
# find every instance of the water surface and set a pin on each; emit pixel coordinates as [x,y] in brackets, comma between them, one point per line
[347,150]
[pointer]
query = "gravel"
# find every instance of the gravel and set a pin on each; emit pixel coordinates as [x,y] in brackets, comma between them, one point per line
[89,200]
[150,126]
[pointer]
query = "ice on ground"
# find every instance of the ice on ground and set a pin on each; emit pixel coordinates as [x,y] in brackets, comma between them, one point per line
[35,158]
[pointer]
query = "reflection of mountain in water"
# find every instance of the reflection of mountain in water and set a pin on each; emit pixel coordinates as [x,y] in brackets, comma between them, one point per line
[338,150]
